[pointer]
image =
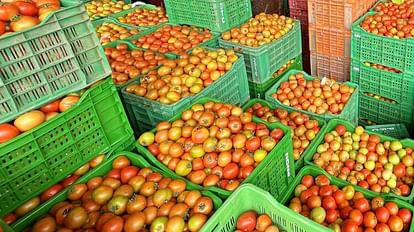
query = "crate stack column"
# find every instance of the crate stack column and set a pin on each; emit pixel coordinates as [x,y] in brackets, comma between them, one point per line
[299,10]
[383,67]
[330,35]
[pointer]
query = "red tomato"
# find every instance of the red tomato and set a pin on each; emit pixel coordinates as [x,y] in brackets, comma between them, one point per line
[350,226]
[356,216]
[50,192]
[405,215]
[362,204]
[253,143]
[8,132]
[329,202]
[307,180]
[114,173]
[339,196]
[8,11]
[51,107]
[127,173]
[395,223]
[382,214]
[2,27]
[331,216]
[392,208]
[325,191]
[382,227]
[370,220]
[70,180]
[67,102]
[231,171]
[26,8]
[321,181]
[247,221]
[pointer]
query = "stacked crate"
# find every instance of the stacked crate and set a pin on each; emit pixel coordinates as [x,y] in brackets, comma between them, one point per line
[383,67]
[330,25]
[299,10]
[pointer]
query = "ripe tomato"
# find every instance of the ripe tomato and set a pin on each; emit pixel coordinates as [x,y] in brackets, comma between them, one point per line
[127,173]
[322,181]
[29,120]
[253,143]
[39,3]
[23,22]
[350,226]
[356,216]
[8,11]
[370,220]
[67,102]
[328,202]
[51,107]
[395,223]
[50,192]
[405,215]
[77,191]
[247,221]
[231,171]
[2,27]
[307,180]
[392,208]
[114,173]
[362,204]
[339,196]
[26,8]
[8,132]
[70,180]
[382,214]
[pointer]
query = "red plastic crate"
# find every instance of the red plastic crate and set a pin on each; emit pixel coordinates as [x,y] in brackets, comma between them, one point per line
[337,68]
[339,14]
[298,4]
[330,41]
[301,15]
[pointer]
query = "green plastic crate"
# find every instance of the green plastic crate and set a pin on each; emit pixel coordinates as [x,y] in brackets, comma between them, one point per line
[99,22]
[299,163]
[125,12]
[263,61]
[39,158]
[273,174]
[398,131]
[313,171]
[249,197]
[350,111]
[382,112]
[211,43]
[396,86]
[49,60]
[216,15]
[145,114]
[350,127]
[259,90]
[391,52]
[5,227]
[101,170]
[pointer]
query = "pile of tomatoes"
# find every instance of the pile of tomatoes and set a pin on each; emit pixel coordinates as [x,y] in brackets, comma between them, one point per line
[22,14]
[283,68]
[186,76]
[260,30]
[345,209]
[52,191]
[34,118]
[379,97]
[250,221]
[213,144]
[128,64]
[382,67]
[129,198]
[103,8]
[144,17]
[314,96]
[362,159]
[177,38]
[108,32]
[391,20]
[304,128]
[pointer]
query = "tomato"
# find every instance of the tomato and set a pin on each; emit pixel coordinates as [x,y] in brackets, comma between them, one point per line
[392,208]
[175,223]
[27,206]
[9,218]
[321,180]
[45,224]
[114,224]
[111,182]
[377,202]
[263,222]
[148,188]
[39,3]
[114,173]
[23,22]
[382,227]
[135,222]
[331,215]
[370,220]
[8,11]
[313,202]
[196,221]
[45,10]
[253,143]
[231,171]
[382,214]
[350,226]
[339,196]
[2,27]
[29,120]
[26,8]
[67,102]
[405,215]
[8,132]
[210,160]
[325,191]
[362,204]
[247,221]
[118,204]
[76,218]
[328,202]
[127,173]
[192,197]
[102,194]
[349,192]
[307,181]
[184,167]
[50,192]
[356,216]
[76,192]
[395,223]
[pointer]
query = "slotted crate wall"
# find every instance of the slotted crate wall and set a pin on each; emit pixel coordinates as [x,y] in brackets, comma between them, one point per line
[330,66]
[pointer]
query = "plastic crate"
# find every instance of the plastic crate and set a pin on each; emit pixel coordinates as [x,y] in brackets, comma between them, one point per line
[396,86]
[350,111]
[299,163]
[259,90]
[333,67]
[302,16]
[298,4]
[211,43]
[125,12]
[249,197]
[101,170]
[313,171]
[350,127]
[216,15]
[145,114]
[376,49]
[273,174]
[263,61]
[338,14]
[330,41]
[383,112]
[398,131]
[39,158]
[49,60]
